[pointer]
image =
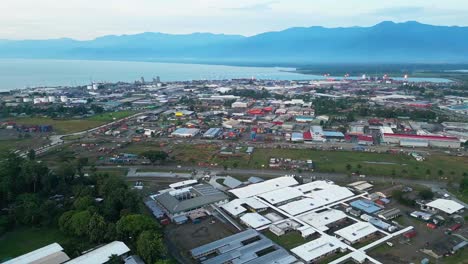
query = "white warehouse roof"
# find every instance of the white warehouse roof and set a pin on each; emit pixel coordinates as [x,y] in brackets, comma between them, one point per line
[318,248]
[281,195]
[255,220]
[263,187]
[102,254]
[50,254]
[236,207]
[357,231]
[322,219]
[446,206]
[325,195]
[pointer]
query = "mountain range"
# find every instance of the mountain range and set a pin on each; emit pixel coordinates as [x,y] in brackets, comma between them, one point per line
[386,42]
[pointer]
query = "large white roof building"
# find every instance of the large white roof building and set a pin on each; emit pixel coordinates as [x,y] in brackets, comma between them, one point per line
[356,232]
[445,205]
[263,187]
[318,248]
[254,220]
[322,219]
[239,206]
[281,195]
[51,254]
[102,254]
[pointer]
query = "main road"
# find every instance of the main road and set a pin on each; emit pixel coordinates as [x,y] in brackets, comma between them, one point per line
[56,140]
[436,186]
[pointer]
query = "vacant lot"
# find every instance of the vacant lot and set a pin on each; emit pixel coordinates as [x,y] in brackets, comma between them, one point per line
[437,166]
[109,117]
[397,165]
[23,240]
[66,126]
[61,126]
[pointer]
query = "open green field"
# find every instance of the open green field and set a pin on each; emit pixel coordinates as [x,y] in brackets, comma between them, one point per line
[460,257]
[111,116]
[6,145]
[66,126]
[61,126]
[288,241]
[370,163]
[21,241]
[378,164]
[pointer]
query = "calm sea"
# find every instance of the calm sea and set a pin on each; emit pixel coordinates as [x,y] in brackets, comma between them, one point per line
[22,73]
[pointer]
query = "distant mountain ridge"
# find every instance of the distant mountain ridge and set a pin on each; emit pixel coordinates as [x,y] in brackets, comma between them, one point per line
[386,42]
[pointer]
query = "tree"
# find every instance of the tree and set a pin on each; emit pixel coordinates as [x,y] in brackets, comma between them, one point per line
[463,187]
[426,194]
[64,222]
[82,203]
[348,167]
[79,223]
[97,228]
[155,156]
[31,154]
[27,208]
[130,227]
[150,247]
[115,259]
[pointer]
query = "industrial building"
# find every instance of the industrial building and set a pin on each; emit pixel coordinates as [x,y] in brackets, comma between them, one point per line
[264,187]
[366,206]
[361,186]
[389,214]
[51,254]
[254,220]
[247,247]
[318,249]
[322,220]
[357,232]
[102,254]
[317,133]
[185,132]
[238,206]
[181,202]
[315,195]
[213,133]
[408,140]
[444,205]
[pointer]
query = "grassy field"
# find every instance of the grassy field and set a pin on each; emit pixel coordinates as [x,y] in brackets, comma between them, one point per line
[62,126]
[111,116]
[66,126]
[459,258]
[288,241]
[20,241]
[378,164]
[370,163]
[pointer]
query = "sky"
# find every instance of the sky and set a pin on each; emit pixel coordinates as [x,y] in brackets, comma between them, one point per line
[87,19]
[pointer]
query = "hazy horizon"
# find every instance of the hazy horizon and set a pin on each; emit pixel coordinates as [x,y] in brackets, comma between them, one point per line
[86,19]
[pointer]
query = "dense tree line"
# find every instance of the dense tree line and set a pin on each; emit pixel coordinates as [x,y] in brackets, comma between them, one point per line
[89,210]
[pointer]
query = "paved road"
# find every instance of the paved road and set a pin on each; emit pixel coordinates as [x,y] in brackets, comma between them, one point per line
[437,185]
[56,140]
[132,173]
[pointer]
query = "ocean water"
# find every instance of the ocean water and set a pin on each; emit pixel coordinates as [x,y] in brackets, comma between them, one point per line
[23,73]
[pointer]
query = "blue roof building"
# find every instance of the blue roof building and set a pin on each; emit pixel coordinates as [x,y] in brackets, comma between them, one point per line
[366,206]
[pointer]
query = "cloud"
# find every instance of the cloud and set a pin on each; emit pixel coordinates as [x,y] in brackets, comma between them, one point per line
[399,11]
[265,6]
